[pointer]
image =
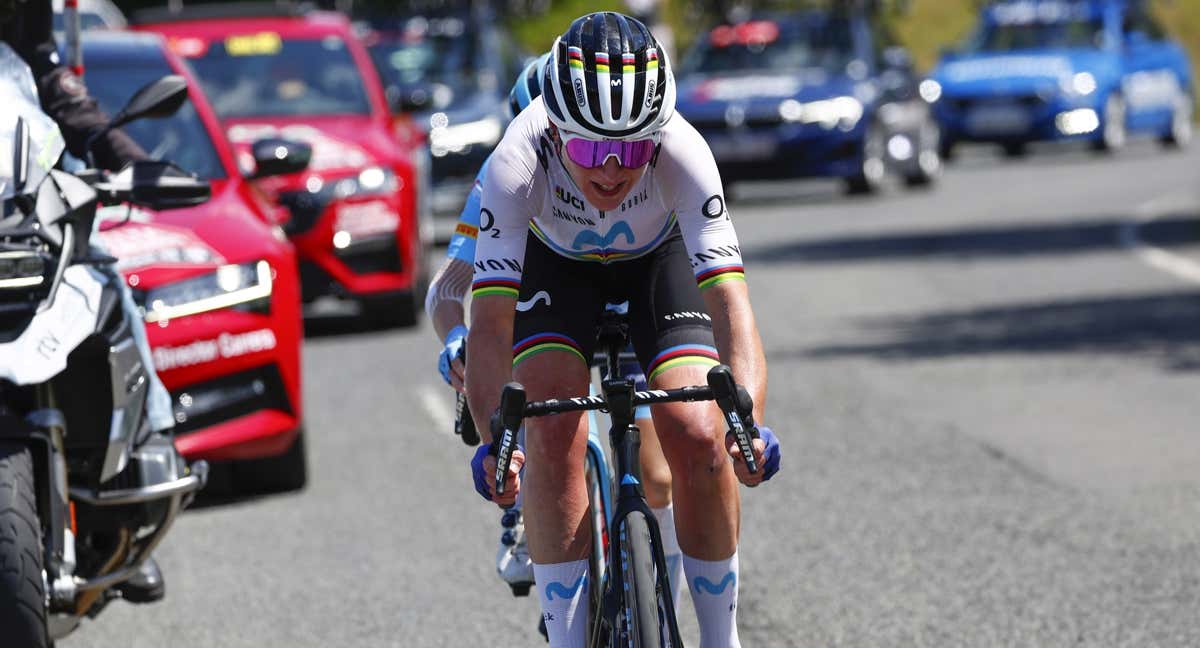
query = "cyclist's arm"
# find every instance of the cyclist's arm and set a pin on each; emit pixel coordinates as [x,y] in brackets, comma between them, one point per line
[511,187]
[738,342]
[444,300]
[693,185]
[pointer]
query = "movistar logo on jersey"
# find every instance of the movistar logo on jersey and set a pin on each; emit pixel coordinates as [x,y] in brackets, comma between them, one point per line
[590,239]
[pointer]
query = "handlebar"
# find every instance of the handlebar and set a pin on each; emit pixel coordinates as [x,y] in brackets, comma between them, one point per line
[733,399]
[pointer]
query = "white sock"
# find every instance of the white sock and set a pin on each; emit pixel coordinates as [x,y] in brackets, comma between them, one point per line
[714,588]
[562,588]
[671,551]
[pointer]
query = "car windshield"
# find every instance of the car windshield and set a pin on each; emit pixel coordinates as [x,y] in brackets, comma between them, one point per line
[434,53]
[261,75]
[772,47]
[1055,35]
[180,138]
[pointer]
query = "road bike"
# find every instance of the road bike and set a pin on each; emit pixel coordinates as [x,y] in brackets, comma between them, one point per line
[629,596]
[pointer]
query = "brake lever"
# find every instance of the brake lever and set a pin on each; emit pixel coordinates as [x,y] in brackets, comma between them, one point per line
[511,413]
[464,425]
[737,406]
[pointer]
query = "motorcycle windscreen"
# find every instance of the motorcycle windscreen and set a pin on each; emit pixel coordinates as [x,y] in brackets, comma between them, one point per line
[43,143]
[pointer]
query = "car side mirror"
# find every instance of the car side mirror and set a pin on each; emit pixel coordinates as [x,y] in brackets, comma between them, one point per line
[275,156]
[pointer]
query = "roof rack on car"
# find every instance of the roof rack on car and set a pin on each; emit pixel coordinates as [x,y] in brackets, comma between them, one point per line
[176,12]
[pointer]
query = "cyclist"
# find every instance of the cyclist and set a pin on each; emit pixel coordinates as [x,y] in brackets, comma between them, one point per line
[443,303]
[597,194]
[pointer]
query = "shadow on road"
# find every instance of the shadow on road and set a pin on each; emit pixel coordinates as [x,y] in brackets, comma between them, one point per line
[1166,324]
[1014,240]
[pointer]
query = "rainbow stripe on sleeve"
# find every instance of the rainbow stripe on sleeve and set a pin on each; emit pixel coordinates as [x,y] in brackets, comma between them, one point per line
[535,344]
[499,287]
[682,355]
[721,274]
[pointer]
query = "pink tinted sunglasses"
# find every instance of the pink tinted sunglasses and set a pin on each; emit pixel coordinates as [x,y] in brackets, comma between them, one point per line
[590,153]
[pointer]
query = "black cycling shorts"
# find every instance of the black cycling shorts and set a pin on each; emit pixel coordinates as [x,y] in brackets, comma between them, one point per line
[561,300]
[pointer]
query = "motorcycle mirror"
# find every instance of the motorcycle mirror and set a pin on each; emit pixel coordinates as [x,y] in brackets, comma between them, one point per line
[275,156]
[155,100]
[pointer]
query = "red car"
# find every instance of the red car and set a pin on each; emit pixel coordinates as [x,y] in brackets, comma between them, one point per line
[355,214]
[217,282]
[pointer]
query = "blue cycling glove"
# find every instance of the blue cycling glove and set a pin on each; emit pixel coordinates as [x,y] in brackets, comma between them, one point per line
[771,452]
[450,349]
[481,476]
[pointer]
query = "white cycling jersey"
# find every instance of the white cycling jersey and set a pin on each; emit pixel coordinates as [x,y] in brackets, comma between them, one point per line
[527,189]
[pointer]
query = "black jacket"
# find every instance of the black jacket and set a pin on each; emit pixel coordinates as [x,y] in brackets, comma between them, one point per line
[63,95]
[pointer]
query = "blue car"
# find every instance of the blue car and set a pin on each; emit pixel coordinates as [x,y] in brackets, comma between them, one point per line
[1037,70]
[809,94]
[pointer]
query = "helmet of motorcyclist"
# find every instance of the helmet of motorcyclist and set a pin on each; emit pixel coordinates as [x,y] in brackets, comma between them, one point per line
[9,9]
[608,78]
[528,85]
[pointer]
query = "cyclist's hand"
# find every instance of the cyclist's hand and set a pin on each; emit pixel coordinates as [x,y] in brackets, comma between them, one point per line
[766,455]
[483,469]
[450,364]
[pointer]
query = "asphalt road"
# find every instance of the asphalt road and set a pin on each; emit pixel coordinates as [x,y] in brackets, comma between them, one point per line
[987,394]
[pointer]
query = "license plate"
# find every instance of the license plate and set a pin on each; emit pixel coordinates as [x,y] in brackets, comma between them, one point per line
[998,120]
[741,147]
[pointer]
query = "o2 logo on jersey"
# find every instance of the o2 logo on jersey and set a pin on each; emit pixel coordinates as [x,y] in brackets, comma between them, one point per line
[487,222]
[714,207]
[579,99]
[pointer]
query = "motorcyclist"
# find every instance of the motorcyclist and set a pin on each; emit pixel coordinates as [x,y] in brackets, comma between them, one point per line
[27,27]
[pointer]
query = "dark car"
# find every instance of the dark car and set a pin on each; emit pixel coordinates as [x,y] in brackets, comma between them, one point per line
[1086,70]
[809,94]
[450,74]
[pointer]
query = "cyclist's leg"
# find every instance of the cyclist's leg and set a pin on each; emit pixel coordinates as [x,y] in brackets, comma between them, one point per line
[553,334]
[673,336]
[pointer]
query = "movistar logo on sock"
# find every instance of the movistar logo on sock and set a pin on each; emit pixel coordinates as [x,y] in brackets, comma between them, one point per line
[702,583]
[565,592]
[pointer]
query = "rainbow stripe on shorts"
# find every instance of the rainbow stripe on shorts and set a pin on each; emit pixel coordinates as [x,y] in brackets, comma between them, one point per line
[682,355]
[535,344]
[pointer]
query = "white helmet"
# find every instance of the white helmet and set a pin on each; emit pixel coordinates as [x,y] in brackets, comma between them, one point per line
[608,78]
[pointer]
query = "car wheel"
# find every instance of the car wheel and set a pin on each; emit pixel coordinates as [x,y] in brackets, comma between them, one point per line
[282,473]
[1180,131]
[869,179]
[929,158]
[1113,132]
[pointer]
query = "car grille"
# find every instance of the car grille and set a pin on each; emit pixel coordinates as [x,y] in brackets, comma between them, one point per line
[208,403]
[378,254]
[1028,101]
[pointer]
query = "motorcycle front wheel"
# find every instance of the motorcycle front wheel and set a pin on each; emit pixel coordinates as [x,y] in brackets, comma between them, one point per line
[22,586]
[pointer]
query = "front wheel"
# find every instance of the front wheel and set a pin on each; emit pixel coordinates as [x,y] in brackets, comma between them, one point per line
[1179,133]
[869,178]
[641,623]
[22,583]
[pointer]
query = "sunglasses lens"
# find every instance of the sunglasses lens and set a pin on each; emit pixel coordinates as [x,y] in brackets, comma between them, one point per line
[591,154]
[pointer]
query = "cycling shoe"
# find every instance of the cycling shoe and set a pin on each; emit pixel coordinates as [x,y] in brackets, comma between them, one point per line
[512,557]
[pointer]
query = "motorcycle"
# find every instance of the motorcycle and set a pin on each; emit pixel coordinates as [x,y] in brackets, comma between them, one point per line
[88,488]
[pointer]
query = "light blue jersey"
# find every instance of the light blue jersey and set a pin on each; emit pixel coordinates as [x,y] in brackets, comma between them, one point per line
[462,242]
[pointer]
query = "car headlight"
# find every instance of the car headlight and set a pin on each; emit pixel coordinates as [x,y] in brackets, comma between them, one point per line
[1081,84]
[454,139]
[371,181]
[229,286]
[843,112]
[930,90]
[21,269]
